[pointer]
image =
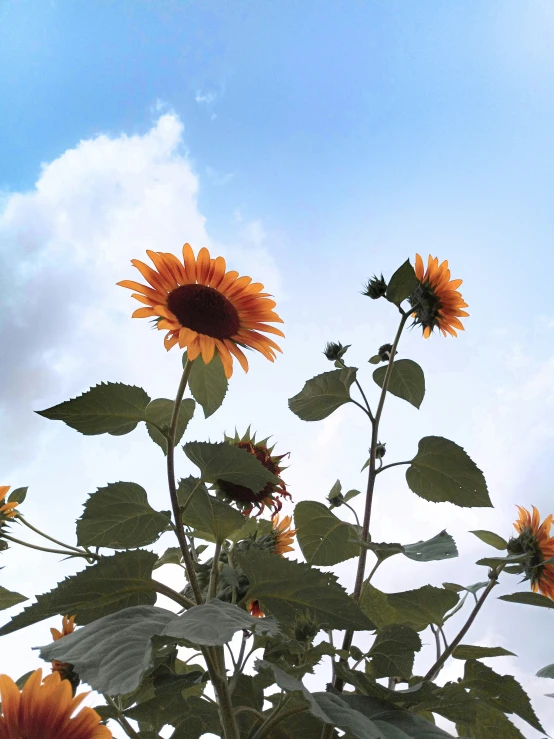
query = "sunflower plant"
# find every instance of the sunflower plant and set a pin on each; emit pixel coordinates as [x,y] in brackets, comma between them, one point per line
[250,620]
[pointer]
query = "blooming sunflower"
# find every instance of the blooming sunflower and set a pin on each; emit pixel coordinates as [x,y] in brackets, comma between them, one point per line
[270,496]
[281,540]
[205,308]
[534,540]
[43,710]
[66,670]
[436,300]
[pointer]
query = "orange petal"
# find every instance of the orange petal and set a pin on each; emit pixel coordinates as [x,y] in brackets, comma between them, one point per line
[226,358]
[203,266]
[144,313]
[218,273]
[190,262]
[207,347]
[238,353]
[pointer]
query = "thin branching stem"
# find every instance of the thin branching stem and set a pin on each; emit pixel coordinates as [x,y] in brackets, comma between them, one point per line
[439,664]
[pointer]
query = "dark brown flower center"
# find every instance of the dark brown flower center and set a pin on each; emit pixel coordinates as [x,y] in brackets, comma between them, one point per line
[205,310]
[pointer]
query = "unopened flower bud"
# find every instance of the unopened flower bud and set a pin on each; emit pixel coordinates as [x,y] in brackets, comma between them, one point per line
[380,450]
[335,350]
[375,288]
[305,627]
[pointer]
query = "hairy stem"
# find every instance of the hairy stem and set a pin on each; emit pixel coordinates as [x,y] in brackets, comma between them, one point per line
[212,588]
[121,719]
[182,600]
[179,529]
[388,466]
[275,718]
[347,642]
[437,667]
[67,552]
[22,520]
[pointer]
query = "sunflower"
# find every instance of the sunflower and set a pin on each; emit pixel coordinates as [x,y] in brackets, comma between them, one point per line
[205,308]
[283,534]
[436,300]
[282,539]
[66,670]
[8,509]
[246,499]
[534,540]
[43,710]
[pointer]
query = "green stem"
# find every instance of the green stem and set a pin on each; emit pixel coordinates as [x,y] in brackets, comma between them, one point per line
[212,588]
[347,642]
[437,667]
[68,553]
[121,719]
[367,409]
[182,600]
[179,528]
[22,520]
[276,718]
[392,464]
[354,512]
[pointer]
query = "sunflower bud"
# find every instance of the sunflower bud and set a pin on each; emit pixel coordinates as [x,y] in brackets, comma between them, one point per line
[305,627]
[385,352]
[380,450]
[335,497]
[375,288]
[335,351]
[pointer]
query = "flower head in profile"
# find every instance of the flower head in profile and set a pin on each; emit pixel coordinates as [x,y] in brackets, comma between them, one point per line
[204,308]
[534,540]
[272,494]
[279,540]
[44,710]
[436,301]
[65,670]
[7,510]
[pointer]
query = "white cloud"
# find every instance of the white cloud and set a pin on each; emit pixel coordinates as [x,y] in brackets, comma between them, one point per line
[206,97]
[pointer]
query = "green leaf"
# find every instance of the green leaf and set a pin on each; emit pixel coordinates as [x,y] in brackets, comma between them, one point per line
[114,583]
[491,539]
[286,588]
[394,722]
[547,671]
[470,588]
[465,651]
[201,718]
[375,604]
[9,598]
[323,394]
[424,606]
[208,515]
[114,652]
[207,383]
[120,517]
[441,546]
[18,495]
[215,623]
[324,539]
[489,723]
[170,704]
[497,561]
[393,651]
[351,494]
[171,556]
[228,462]
[407,381]
[500,691]
[442,471]
[158,414]
[528,599]
[402,284]
[327,707]
[108,408]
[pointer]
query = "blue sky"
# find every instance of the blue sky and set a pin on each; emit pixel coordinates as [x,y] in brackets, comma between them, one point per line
[313,144]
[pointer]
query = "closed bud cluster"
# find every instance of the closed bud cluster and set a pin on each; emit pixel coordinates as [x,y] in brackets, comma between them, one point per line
[335,351]
[375,288]
[306,627]
[380,450]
